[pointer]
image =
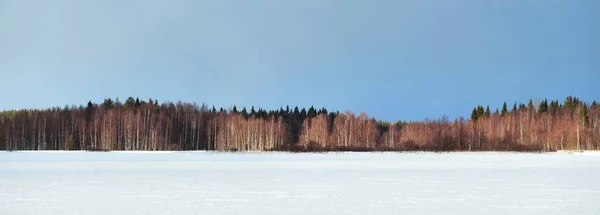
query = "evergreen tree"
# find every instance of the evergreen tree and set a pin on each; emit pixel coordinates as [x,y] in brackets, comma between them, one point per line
[303,114]
[89,110]
[129,103]
[245,113]
[553,107]
[312,112]
[569,102]
[543,106]
[594,104]
[474,114]
[281,112]
[504,109]
[108,103]
[583,115]
[487,111]
[252,112]
[514,107]
[323,111]
[137,102]
[331,120]
[234,110]
[530,106]
[480,111]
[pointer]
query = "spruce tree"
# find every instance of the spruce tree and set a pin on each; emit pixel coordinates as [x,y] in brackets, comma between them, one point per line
[312,112]
[324,111]
[129,103]
[480,111]
[474,114]
[543,106]
[530,106]
[245,113]
[583,115]
[108,103]
[487,111]
[514,107]
[504,110]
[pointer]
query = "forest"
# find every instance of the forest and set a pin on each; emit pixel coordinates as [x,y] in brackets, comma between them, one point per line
[137,124]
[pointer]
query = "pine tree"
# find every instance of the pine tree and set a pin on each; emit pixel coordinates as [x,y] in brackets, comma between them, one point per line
[514,107]
[487,111]
[129,103]
[234,110]
[504,109]
[108,103]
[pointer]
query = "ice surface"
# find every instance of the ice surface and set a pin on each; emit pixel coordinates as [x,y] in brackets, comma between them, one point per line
[282,183]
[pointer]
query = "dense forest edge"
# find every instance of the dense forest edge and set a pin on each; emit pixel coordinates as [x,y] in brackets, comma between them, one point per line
[147,125]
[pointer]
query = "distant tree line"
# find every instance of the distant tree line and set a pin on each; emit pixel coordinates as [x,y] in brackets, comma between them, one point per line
[147,125]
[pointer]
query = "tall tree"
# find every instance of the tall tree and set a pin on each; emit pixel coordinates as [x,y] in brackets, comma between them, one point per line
[474,114]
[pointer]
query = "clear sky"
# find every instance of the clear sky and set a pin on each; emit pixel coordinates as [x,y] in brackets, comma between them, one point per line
[396,59]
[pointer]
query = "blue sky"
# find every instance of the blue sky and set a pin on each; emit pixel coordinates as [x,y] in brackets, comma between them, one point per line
[397,59]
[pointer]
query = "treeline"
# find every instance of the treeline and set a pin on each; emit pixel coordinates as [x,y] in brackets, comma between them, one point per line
[147,125]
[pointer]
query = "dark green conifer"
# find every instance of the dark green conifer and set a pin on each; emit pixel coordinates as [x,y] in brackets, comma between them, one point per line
[474,114]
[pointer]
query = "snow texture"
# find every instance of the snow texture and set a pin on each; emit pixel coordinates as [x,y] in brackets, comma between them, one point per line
[283,183]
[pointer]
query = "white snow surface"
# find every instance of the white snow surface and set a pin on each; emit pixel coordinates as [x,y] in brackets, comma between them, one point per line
[284,183]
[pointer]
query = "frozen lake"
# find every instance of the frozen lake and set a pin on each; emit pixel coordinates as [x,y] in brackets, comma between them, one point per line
[281,183]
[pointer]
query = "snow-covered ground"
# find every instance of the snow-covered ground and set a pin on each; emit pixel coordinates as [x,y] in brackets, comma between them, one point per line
[282,183]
